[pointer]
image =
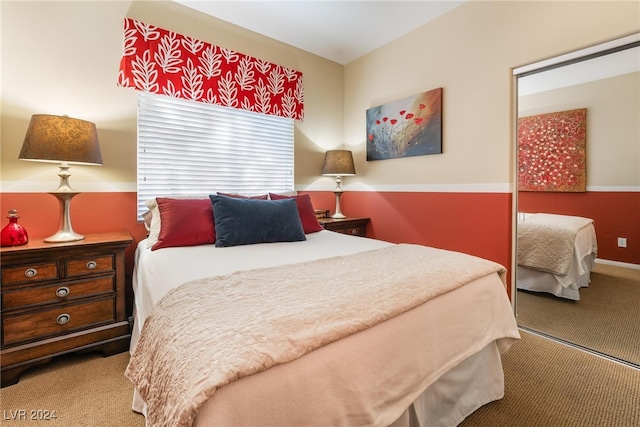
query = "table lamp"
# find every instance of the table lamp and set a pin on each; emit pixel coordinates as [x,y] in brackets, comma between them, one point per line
[64,140]
[338,163]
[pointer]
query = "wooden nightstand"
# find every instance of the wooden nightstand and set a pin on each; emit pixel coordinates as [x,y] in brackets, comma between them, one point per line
[59,298]
[354,226]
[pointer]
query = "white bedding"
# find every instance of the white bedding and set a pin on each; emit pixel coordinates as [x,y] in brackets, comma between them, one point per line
[481,331]
[579,274]
[156,271]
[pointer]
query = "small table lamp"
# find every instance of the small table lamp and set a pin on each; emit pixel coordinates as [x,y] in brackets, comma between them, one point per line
[338,163]
[64,140]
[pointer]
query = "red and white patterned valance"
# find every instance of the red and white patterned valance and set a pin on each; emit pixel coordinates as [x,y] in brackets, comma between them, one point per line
[161,61]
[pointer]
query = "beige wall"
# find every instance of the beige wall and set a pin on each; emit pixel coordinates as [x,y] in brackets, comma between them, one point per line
[62,57]
[613,126]
[470,52]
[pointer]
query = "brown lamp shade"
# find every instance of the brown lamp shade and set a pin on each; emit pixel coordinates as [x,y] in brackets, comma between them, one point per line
[338,163]
[61,139]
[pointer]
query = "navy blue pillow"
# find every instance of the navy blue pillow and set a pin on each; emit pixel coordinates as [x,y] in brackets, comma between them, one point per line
[248,221]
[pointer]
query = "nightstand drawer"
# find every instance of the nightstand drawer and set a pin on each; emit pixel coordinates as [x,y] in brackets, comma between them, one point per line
[58,320]
[29,273]
[56,293]
[354,231]
[353,226]
[81,267]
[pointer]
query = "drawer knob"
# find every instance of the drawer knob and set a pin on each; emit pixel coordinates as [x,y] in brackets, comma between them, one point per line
[63,319]
[30,272]
[91,265]
[354,231]
[62,291]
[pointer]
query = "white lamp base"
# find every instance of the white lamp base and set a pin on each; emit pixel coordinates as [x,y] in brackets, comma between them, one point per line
[64,193]
[65,232]
[338,214]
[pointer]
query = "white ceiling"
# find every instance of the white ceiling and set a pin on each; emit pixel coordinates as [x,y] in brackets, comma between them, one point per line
[340,31]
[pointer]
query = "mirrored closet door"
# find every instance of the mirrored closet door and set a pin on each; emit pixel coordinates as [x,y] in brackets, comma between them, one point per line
[579,124]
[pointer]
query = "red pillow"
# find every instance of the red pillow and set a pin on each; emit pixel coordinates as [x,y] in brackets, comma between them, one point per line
[185,222]
[240,196]
[310,223]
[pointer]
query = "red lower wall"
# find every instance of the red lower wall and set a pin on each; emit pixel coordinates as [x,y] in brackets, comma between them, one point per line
[615,214]
[90,212]
[474,223]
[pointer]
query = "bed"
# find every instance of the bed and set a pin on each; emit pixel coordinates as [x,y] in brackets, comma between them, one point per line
[346,350]
[556,253]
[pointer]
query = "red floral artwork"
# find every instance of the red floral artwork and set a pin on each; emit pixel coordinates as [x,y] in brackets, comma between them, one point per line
[408,127]
[552,152]
[160,61]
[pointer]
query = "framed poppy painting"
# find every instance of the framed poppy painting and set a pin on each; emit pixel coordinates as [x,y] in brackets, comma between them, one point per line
[408,127]
[552,152]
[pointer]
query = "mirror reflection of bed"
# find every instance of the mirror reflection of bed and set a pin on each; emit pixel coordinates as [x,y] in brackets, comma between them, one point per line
[556,253]
[574,283]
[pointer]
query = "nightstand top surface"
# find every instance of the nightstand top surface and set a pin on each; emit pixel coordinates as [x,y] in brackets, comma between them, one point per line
[98,238]
[349,218]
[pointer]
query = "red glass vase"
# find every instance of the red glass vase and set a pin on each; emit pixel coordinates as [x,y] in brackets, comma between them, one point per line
[13,234]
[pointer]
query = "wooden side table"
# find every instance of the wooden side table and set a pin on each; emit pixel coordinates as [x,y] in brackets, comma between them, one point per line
[355,226]
[60,298]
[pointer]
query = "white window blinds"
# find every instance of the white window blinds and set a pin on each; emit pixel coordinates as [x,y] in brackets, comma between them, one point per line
[193,148]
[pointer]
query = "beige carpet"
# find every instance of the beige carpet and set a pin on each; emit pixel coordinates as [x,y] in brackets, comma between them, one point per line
[547,384]
[83,390]
[605,319]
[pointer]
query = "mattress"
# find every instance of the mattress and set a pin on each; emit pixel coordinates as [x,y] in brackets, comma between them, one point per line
[418,352]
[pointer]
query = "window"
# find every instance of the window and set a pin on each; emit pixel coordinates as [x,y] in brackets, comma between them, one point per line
[193,148]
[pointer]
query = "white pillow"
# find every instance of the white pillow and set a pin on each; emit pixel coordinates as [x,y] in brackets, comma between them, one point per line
[154,224]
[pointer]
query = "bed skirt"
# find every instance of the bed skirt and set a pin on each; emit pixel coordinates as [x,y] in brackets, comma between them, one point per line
[567,287]
[486,385]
